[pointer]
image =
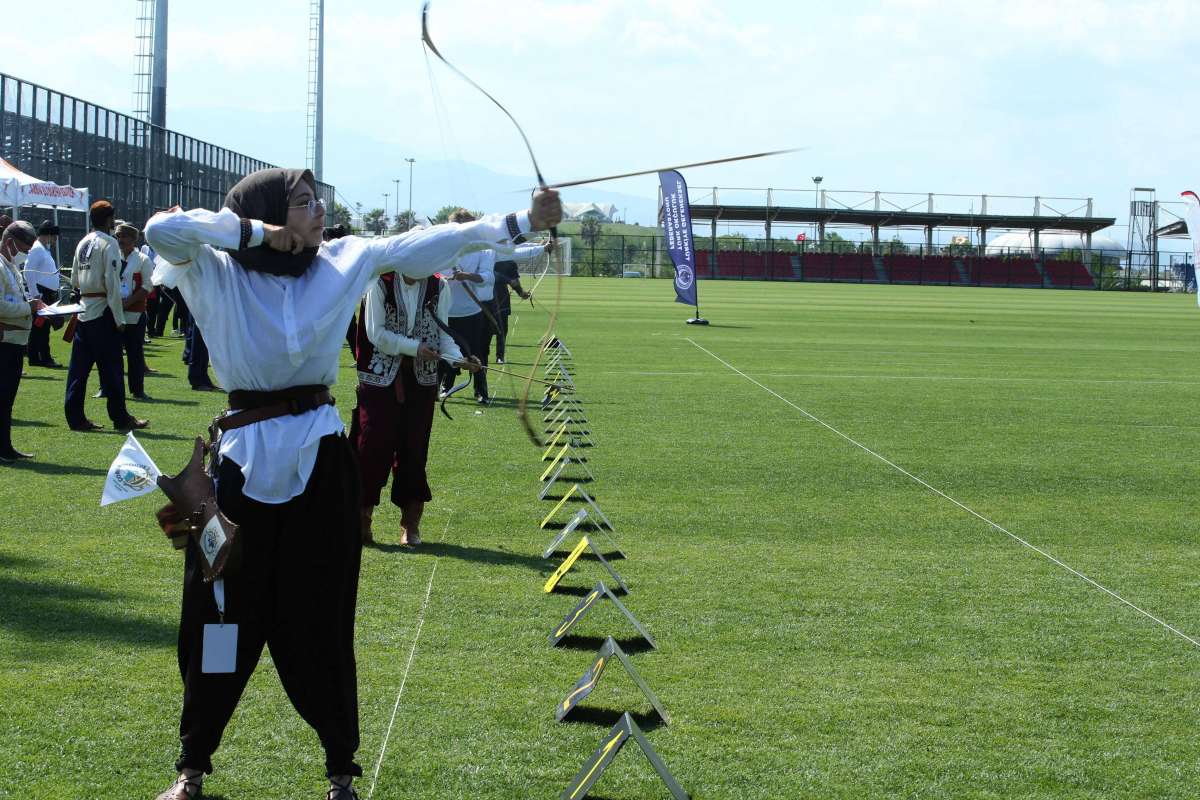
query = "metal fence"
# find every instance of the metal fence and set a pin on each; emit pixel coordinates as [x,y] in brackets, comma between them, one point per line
[739,258]
[137,166]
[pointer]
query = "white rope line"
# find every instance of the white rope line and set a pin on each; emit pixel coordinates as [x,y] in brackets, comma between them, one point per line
[964,507]
[411,655]
[869,377]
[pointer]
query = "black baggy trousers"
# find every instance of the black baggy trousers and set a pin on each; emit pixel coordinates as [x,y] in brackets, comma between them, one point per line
[295,592]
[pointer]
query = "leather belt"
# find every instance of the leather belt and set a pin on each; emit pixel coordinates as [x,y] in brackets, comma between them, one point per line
[94,294]
[255,407]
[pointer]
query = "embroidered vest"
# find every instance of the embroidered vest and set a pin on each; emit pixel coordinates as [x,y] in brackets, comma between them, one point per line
[378,369]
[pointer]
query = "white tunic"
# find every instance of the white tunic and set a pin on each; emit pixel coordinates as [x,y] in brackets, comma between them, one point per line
[484,263]
[40,269]
[267,332]
[136,263]
[403,343]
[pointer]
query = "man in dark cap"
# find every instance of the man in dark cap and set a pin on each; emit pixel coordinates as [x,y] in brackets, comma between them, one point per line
[41,278]
[16,316]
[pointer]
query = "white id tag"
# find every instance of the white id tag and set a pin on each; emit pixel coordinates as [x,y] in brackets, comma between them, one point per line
[220,649]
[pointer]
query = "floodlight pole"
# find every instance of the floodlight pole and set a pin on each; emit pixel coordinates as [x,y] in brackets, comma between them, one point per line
[817,204]
[410,161]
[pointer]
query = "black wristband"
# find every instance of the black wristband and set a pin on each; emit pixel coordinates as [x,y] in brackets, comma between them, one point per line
[514,230]
[247,232]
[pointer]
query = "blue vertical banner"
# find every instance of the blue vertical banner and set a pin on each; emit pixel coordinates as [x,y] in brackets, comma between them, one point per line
[677,222]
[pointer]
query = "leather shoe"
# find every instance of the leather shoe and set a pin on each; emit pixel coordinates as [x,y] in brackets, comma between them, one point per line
[205,387]
[98,395]
[14,455]
[132,424]
[86,426]
[140,396]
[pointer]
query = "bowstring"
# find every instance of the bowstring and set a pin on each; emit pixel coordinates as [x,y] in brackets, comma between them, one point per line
[441,114]
[522,405]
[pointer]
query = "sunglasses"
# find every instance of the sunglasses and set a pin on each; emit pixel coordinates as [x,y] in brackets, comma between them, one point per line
[312,206]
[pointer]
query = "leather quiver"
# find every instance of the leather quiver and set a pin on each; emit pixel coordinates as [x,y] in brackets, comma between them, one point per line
[193,512]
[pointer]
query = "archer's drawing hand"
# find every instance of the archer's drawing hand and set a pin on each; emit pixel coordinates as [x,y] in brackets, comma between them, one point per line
[551,246]
[427,353]
[546,210]
[281,239]
[472,365]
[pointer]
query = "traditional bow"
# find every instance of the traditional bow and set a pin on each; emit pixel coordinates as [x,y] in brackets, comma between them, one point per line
[462,345]
[523,402]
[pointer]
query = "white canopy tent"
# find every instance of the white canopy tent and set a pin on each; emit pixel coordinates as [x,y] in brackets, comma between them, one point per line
[19,189]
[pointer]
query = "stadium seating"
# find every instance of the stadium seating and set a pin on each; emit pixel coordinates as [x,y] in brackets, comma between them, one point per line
[905,268]
[1068,275]
[1003,272]
[918,269]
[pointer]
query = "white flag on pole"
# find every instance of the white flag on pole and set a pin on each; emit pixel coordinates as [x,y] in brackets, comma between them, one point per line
[131,475]
[1192,215]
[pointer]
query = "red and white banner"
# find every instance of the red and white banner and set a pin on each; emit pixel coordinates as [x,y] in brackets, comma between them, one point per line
[19,189]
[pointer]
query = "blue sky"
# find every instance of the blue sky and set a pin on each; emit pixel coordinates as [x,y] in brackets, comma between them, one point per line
[1058,98]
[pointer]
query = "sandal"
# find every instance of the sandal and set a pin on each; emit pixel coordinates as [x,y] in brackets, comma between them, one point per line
[185,787]
[341,791]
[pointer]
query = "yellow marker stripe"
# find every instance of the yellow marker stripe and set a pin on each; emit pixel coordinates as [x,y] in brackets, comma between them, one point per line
[591,598]
[599,761]
[559,505]
[553,463]
[554,442]
[553,580]
[587,687]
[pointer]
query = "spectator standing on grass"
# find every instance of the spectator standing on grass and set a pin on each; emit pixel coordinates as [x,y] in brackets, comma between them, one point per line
[42,281]
[16,318]
[286,475]
[136,270]
[97,337]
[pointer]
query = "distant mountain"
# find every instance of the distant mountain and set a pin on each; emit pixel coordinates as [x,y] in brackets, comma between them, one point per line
[363,167]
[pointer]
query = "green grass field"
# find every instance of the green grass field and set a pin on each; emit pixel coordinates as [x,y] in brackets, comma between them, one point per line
[827,627]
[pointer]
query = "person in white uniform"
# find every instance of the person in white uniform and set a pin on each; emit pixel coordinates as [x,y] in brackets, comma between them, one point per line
[473,310]
[17,312]
[258,272]
[43,282]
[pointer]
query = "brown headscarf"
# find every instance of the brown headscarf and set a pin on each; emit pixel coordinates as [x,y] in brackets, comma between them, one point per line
[264,195]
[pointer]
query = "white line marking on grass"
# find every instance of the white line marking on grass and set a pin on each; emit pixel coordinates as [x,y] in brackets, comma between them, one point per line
[411,655]
[945,496]
[965,378]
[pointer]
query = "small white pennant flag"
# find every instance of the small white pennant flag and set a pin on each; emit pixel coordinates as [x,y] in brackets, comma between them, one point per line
[131,475]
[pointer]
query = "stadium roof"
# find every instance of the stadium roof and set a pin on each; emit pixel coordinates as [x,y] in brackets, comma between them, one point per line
[1178,228]
[892,219]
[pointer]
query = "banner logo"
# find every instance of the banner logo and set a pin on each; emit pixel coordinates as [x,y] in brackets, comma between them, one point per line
[684,277]
[133,477]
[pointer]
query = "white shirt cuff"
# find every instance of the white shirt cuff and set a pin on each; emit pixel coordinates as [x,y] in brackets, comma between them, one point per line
[257,234]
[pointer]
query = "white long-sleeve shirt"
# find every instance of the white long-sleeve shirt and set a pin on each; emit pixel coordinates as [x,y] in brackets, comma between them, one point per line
[269,332]
[97,270]
[135,264]
[40,269]
[14,307]
[404,344]
[484,263]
